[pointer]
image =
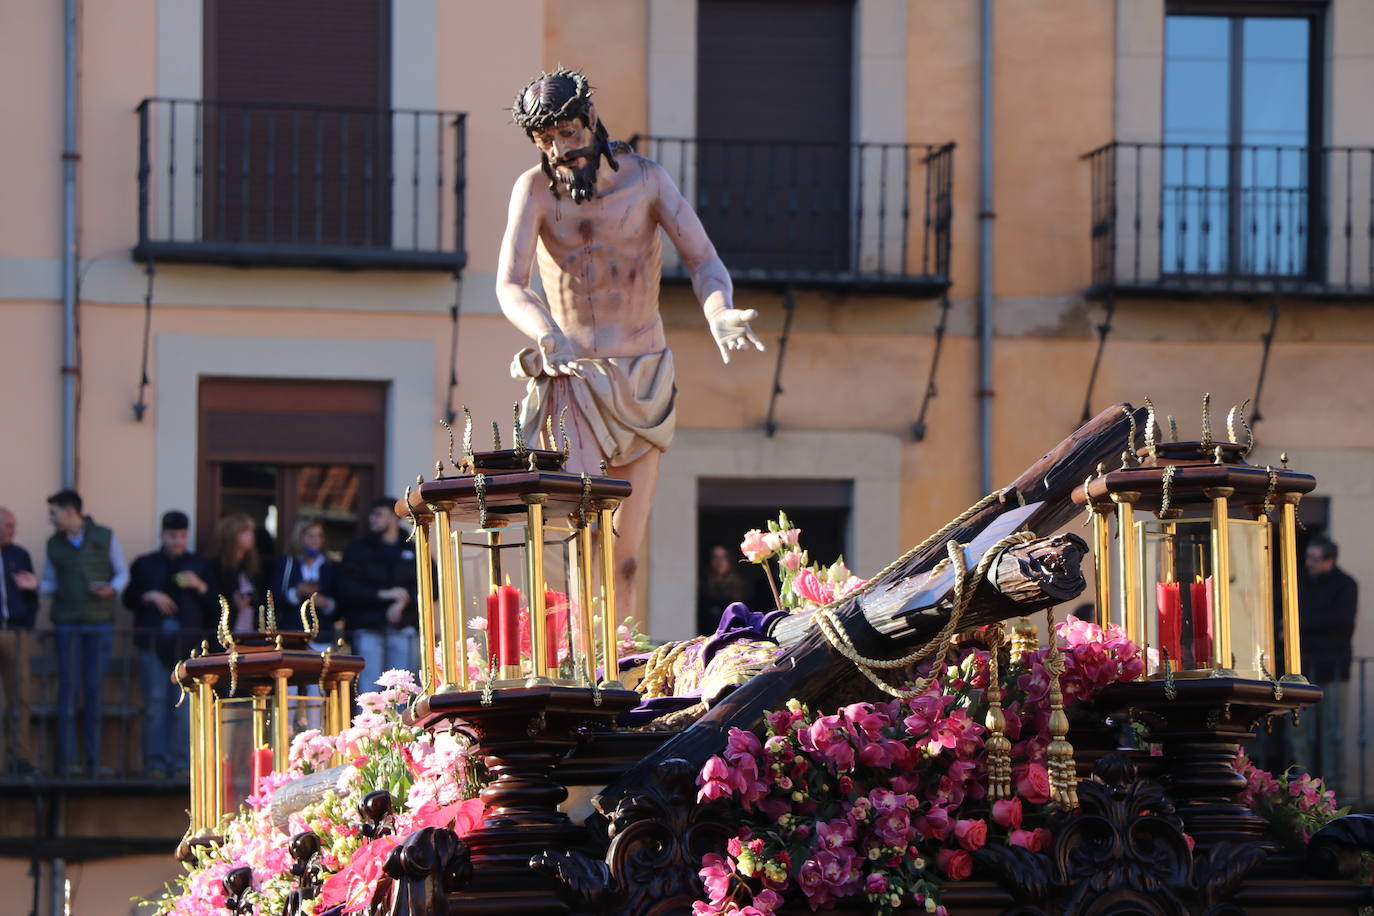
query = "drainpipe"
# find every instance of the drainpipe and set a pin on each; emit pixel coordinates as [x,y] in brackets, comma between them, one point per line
[69,368]
[985,218]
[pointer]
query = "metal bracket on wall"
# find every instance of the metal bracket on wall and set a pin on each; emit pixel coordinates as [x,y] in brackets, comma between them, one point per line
[1103,330]
[918,429]
[789,305]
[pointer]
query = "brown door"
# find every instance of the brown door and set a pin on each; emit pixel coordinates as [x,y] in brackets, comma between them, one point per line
[773,131]
[282,450]
[295,132]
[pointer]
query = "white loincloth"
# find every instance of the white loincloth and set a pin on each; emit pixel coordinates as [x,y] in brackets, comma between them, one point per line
[628,404]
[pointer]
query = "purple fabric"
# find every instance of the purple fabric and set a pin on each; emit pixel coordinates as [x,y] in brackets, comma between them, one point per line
[737,623]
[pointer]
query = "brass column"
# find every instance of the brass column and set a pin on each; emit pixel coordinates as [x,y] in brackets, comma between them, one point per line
[584,573]
[259,719]
[1102,545]
[1288,560]
[199,736]
[1129,565]
[455,673]
[424,599]
[534,552]
[1221,577]
[606,535]
[211,792]
[281,740]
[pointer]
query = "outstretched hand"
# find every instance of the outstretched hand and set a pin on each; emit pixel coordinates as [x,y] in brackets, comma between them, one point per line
[730,328]
[556,354]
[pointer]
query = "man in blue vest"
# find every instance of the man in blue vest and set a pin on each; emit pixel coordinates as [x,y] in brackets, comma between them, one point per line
[18,608]
[84,575]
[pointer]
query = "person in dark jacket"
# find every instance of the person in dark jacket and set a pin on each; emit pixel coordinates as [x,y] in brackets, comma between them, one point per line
[1327,603]
[304,571]
[173,606]
[376,596]
[18,609]
[84,575]
[238,570]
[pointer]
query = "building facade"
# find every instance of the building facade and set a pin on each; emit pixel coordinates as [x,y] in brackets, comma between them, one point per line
[287,220]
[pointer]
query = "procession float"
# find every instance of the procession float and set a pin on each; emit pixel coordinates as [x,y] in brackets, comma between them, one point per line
[935,738]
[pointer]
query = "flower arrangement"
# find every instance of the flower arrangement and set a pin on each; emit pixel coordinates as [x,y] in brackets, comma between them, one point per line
[432,780]
[804,585]
[1295,804]
[889,800]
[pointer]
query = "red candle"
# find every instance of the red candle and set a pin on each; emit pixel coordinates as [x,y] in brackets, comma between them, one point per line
[262,765]
[508,624]
[494,627]
[1170,620]
[1201,595]
[555,626]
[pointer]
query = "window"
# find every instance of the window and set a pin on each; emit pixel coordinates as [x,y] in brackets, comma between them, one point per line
[1240,166]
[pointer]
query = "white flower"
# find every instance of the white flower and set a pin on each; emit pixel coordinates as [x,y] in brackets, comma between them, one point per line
[399,679]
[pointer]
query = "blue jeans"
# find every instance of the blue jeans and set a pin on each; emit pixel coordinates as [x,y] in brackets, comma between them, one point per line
[166,729]
[384,650]
[83,651]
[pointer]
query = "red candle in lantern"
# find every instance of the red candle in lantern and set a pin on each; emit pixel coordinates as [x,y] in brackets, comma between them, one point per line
[1170,620]
[555,625]
[494,627]
[1201,595]
[262,765]
[507,624]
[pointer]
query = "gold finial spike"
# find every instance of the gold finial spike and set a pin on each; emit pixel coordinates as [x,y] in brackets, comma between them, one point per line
[1150,428]
[1206,443]
[262,619]
[467,434]
[310,618]
[495,436]
[549,441]
[438,469]
[534,462]
[449,430]
[1216,452]
[1101,468]
[419,479]
[222,631]
[1283,460]
[1231,415]
[1130,442]
[271,613]
[519,433]
[1249,433]
[604,467]
[1173,429]
[563,433]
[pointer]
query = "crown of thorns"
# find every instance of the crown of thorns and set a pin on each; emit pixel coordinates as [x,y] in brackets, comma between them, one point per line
[552,97]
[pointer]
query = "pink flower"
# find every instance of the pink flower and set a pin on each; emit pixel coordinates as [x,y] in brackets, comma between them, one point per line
[1006,813]
[1033,783]
[790,537]
[829,736]
[715,875]
[935,824]
[1025,839]
[714,780]
[957,864]
[836,833]
[812,589]
[894,828]
[875,883]
[354,885]
[754,547]
[971,833]
[792,561]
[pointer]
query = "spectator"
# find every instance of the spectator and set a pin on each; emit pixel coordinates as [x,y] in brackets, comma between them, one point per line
[170,596]
[84,574]
[1327,598]
[722,585]
[18,608]
[237,569]
[304,571]
[377,596]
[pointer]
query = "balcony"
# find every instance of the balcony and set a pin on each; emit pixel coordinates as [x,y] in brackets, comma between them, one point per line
[258,184]
[854,216]
[1197,219]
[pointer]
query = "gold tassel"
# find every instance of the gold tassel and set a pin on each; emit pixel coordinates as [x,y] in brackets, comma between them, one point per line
[998,746]
[1063,775]
[1023,638]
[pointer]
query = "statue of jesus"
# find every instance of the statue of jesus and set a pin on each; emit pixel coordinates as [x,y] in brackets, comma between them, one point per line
[599,347]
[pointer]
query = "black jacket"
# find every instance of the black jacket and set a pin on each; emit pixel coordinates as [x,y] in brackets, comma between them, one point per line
[21,605]
[286,575]
[370,565]
[1327,608]
[196,612]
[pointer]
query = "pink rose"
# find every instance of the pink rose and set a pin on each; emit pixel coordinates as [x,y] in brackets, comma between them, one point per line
[811,588]
[1033,783]
[957,864]
[935,824]
[971,833]
[1006,813]
[754,548]
[1026,839]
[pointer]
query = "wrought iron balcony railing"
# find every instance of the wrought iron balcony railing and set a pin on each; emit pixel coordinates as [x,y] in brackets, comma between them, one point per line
[850,215]
[293,185]
[1191,218]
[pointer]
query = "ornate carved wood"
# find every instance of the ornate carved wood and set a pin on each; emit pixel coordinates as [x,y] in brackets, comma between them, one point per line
[424,869]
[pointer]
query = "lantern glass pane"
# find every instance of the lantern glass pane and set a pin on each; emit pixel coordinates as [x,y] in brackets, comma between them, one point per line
[494,572]
[235,764]
[1175,593]
[1252,598]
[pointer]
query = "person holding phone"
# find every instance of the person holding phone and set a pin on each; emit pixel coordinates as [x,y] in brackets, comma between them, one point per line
[173,606]
[84,575]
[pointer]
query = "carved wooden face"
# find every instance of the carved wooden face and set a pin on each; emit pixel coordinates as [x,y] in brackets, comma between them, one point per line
[571,150]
